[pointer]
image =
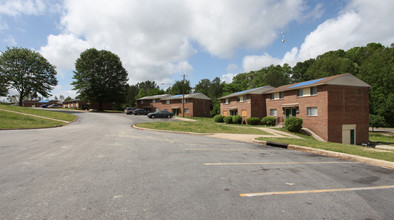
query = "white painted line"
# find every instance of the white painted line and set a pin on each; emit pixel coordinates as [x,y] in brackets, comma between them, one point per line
[221,149]
[315,191]
[272,163]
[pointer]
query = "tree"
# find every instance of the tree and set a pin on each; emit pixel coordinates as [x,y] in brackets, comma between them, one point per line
[299,70]
[177,88]
[67,98]
[100,77]
[376,121]
[26,71]
[203,86]
[61,98]
[3,88]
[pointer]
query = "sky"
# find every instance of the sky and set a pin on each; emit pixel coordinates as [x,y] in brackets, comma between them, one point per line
[160,40]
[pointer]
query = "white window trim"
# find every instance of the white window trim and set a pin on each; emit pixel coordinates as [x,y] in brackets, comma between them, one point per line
[275,111]
[308,112]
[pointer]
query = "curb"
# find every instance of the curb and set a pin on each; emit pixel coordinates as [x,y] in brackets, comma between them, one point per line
[371,161]
[168,131]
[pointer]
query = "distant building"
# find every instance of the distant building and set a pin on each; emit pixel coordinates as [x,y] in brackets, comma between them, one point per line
[151,103]
[79,104]
[39,103]
[196,104]
[248,103]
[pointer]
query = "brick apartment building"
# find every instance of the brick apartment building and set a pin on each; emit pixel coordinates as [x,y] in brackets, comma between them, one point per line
[152,103]
[336,108]
[39,103]
[248,103]
[79,104]
[196,104]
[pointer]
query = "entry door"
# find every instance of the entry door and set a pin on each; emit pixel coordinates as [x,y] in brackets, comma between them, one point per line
[293,112]
[287,112]
[352,136]
[175,112]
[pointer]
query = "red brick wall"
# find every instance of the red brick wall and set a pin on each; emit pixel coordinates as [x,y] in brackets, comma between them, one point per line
[317,124]
[197,107]
[258,108]
[201,108]
[348,105]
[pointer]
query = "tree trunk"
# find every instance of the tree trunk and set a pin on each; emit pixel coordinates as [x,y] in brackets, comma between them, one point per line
[20,99]
[100,106]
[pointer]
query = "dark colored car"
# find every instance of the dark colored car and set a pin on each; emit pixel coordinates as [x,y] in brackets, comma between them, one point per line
[54,106]
[160,114]
[129,110]
[140,111]
[44,106]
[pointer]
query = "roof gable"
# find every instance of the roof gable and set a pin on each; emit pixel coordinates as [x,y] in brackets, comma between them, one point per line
[188,96]
[259,90]
[345,79]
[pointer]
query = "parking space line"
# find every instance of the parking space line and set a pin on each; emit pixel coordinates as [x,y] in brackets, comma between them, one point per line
[316,191]
[276,163]
[221,149]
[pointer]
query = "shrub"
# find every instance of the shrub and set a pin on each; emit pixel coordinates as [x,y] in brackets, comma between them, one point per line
[252,121]
[293,124]
[269,121]
[228,119]
[237,119]
[219,118]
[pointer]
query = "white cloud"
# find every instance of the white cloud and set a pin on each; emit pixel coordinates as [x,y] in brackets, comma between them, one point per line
[228,77]
[18,7]
[63,50]
[253,63]
[360,23]
[154,39]
[60,90]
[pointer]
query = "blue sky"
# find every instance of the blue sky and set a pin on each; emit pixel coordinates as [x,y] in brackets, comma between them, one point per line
[161,40]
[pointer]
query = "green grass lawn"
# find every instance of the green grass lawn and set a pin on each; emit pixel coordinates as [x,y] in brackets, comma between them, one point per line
[309,141]
[201,125]
[10,120]
[49,114]
[383,138]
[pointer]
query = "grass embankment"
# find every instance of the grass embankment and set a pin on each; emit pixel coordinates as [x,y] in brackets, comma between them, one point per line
[382,138]
[10,120]
[201,125]
[309,141]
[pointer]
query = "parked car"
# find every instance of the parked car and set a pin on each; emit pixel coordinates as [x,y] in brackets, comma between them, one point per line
[44,106]
[129,110]
[160,114]
[54,106]
[140,111]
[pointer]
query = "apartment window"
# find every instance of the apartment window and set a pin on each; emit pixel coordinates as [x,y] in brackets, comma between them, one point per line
[226,101]
[168,102]
[272,96]
[141,101]
[314,90]
[273,112]
[241,98]
[186,100]
[282,95]
[234,112]
[300,92]
[186,110]
[311,111]
[171,101]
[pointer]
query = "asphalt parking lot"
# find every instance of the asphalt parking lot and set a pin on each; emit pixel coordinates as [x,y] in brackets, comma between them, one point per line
[101,168]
